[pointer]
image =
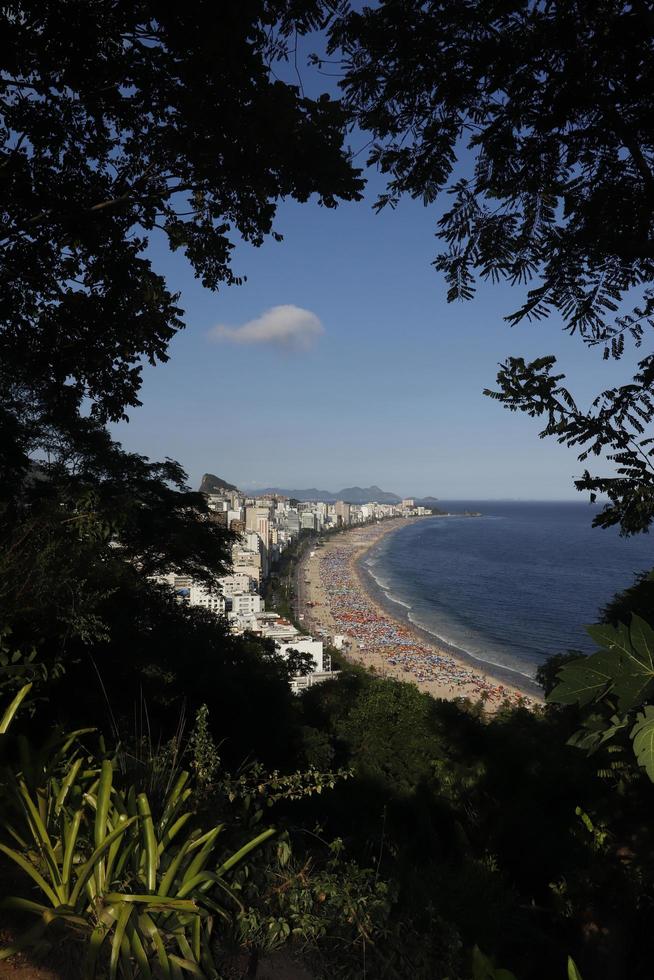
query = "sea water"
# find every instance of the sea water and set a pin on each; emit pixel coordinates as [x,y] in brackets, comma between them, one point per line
[510,587]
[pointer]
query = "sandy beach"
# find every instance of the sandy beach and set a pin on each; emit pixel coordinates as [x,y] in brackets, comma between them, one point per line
[334,599]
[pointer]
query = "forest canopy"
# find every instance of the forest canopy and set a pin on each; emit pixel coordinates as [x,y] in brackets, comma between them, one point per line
[534,121]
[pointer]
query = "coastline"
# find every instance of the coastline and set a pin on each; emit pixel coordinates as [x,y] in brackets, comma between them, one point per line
[338,596]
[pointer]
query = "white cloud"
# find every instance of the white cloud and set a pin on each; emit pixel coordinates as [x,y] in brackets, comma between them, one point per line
[288,326]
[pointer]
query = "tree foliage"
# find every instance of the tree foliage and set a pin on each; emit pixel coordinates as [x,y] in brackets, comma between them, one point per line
[124,126]
[535,120]
[617,681]
[122,122]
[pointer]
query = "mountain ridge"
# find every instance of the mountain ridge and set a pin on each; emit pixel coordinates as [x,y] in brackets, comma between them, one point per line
[351,495]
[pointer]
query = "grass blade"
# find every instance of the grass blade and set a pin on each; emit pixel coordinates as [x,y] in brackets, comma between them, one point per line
[29,868]
[150,857]
[70,843]
[250,846]
[116,942]
[87,869]
[40,834]
[9,712]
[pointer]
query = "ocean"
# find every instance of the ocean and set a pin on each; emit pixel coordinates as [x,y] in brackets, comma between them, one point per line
[511,587]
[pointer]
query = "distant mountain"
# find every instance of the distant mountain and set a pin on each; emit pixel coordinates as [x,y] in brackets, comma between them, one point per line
[351,495]
[213,484]
[364,495]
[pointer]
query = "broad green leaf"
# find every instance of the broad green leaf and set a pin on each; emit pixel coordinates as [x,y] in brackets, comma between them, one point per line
[642,640]
[628,659]
[483,969]
[586,679]
[642,735]
[611,637]
[573,972]
[632,686]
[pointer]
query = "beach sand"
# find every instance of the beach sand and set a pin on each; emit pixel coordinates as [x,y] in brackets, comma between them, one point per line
[341,603]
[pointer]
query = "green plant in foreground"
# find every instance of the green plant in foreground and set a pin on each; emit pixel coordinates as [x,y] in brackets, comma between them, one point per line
[617,680]
[483,969]
[140,893]
[8,714]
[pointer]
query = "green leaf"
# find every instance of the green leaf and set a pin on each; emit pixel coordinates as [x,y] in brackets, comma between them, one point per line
[23,905]
[201,858]
[149,929]
[121,924]
[172,832]
[150,853]
[611,637]
[586,679]
[103,800]
[9,712]
[41,837]
[250,846]
[642,640]
[154,901]
[89,866]
[642,735]
[95,942]
[68,781]
[23,863]
[139,954]
[573,972]
[187,965]
[173,868]
[483,969]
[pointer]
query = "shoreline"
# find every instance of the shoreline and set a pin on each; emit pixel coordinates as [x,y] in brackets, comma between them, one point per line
[338,598]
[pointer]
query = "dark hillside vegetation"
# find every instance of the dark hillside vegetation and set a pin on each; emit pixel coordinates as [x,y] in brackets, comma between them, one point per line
[167,807]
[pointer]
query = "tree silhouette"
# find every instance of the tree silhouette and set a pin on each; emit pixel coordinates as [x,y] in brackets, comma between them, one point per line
[536,120]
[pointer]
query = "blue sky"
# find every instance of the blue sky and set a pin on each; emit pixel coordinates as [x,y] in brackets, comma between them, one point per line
[389,393]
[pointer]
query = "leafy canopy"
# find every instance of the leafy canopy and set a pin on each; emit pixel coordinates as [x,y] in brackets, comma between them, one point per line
[119,122]
[546,108]
[619,678]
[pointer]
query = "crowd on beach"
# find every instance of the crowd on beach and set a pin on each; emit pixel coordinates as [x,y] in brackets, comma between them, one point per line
[378,635]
